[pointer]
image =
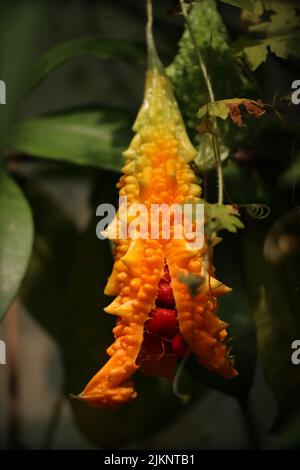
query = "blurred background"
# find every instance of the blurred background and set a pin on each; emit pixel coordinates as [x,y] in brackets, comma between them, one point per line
[74,73]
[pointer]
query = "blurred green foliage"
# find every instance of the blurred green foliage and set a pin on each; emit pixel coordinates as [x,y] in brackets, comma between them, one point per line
[16,233]
[91,136]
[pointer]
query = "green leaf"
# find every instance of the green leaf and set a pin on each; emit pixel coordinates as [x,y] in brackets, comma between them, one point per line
[16,234]
[94,46]
[281,34]
[205,158]
[243,4]
[283,18]
[216,109]
[221,217]
[256,50]
[285,45]
[92,137]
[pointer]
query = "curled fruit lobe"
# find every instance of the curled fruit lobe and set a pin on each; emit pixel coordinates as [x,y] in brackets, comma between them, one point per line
[158,320]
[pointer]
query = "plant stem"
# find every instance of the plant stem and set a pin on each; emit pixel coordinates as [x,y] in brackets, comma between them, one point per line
[217,154]
[215,134]
[149,34]
[198,52]
[153,59]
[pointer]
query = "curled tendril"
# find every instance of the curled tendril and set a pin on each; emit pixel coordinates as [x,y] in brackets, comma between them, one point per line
[256,211]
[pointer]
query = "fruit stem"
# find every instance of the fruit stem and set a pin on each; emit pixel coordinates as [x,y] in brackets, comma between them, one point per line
[214,134]
[153,59]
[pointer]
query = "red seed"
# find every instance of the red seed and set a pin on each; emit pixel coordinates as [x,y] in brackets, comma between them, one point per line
[162,321]
[165,297]
[179,345]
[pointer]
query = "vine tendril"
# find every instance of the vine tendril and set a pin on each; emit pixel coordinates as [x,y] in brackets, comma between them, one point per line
[256,211]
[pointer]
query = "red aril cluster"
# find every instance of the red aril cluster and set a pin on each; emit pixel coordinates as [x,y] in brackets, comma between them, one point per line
[163,318]
[163,321]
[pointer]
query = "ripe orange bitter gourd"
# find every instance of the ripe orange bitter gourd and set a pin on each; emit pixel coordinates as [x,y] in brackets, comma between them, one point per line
[157,171]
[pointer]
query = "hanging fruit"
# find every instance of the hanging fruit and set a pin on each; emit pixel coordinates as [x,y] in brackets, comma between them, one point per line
[158,319]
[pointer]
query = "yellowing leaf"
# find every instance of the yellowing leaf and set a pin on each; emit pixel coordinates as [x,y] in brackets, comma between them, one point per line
[231,108]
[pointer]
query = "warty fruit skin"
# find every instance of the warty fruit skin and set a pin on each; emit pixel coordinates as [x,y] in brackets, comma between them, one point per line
[157,171]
